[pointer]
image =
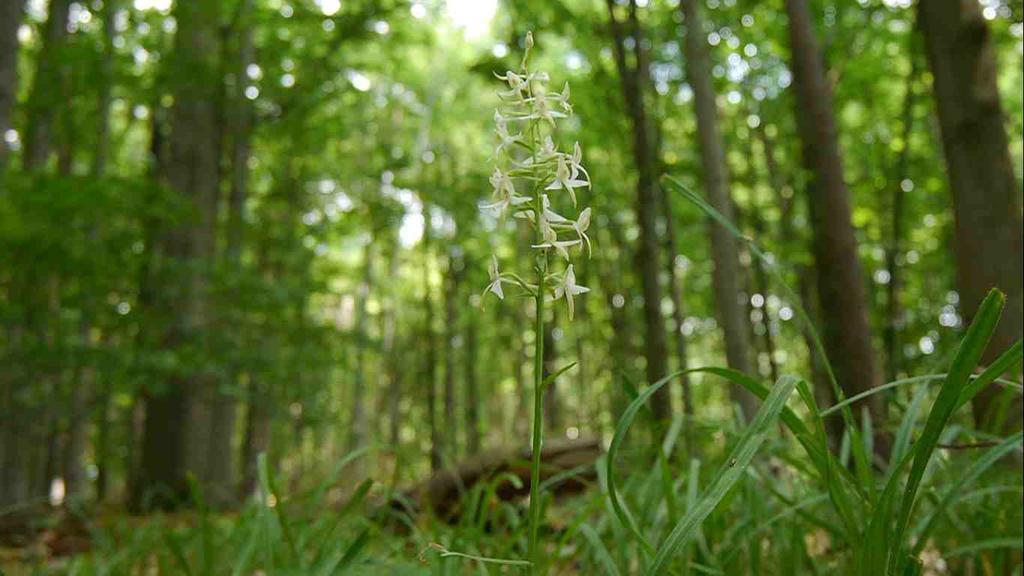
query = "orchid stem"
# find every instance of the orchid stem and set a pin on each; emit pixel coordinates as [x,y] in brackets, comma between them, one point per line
[533,554]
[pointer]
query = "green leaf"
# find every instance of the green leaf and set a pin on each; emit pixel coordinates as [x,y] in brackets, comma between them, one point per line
[863,462]
[954,491]
[554,375]
[882,547]
[733,469]
[604,558]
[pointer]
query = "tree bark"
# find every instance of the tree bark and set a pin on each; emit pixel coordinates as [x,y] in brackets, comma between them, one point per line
[357,411]
[986,194]
[11,458]
[11,12]
[177,432]
[451,318]
[730,301]
[894,309]
[392,374]
[429,370]
[472,411]
[46,93]
[648,249]
[82,395]
[552,399]
[841,291]
[256,439]
[675,292]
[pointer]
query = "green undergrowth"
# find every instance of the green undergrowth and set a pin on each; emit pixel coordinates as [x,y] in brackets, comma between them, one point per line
[772,495]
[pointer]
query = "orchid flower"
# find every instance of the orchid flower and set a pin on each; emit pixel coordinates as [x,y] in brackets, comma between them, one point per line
[516,84]
[569,288]
[575,162]
[566,178]
[580,226]
[495,275]
[527,99]
[563,99]
[561,246]
[543,111]
[504,193]
[550,215]
[505,138]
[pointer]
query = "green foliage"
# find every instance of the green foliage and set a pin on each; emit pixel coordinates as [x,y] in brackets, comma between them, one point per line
[369,150]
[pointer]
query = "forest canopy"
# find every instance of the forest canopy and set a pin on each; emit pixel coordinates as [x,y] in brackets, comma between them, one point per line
[505,286]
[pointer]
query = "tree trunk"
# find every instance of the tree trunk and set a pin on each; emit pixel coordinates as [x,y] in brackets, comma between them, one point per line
[841,291]
[472,411]
[178,421]
[762,284]
[148,282]
[726,278]
[552,399]
[616,289]
[11,12]
[82,394]
[986,194]
[222,457]
[648,249]
[357,420]
[10,451]
[256,439]
[46,93]
[429,371]
[392,373]
[675,287]
[894,249]
[451,319]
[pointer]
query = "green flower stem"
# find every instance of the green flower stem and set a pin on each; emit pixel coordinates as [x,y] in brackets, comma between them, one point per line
[533,554]
[538,417]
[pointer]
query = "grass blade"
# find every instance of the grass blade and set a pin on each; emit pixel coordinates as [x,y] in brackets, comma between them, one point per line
[968,356]
[740,457]
[953,492]
[883,548]
[604,558]
[861,458]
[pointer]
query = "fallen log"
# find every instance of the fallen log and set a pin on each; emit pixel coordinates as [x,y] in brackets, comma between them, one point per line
[568,464]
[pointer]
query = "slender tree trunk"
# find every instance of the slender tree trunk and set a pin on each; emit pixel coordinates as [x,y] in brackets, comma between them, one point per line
[986,194]
[762,285]
[841,291]
[82,394]
[256,439]
[11,12]
[451,318]
[552,399]
[101,445]
[46,93]
[178,421]
[616,291]
[472,411]
[10,20]
[727,275]
[392,374]
[894,309]
[787,237]
[428,376]
[221,457]
[357,419]
[648,248]
[147,335]
[675,287]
